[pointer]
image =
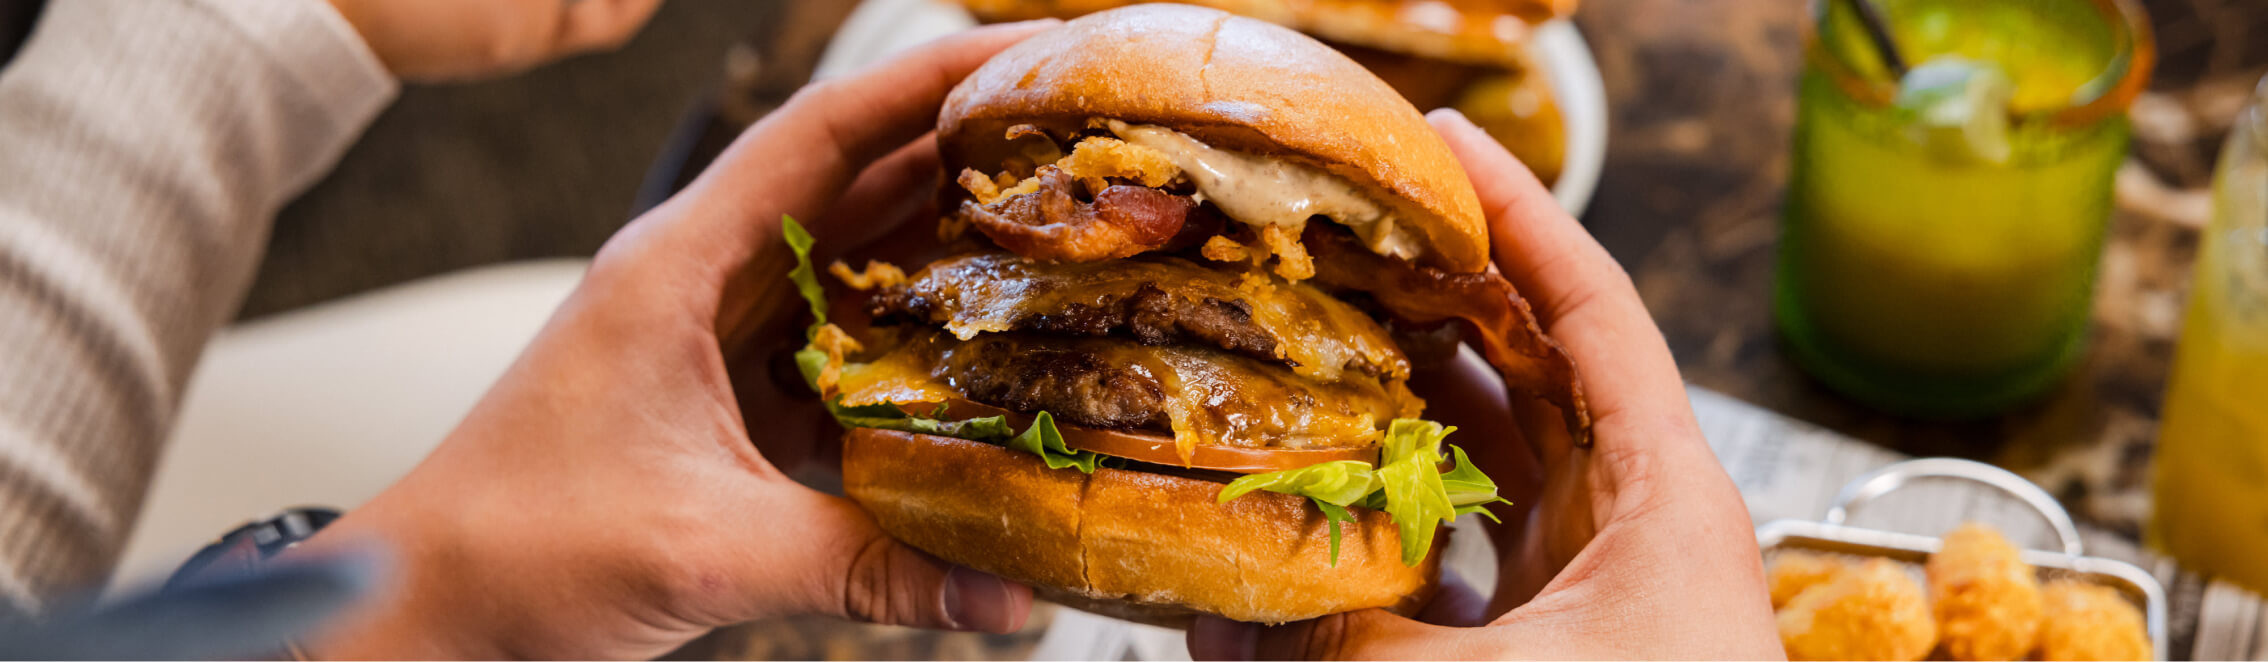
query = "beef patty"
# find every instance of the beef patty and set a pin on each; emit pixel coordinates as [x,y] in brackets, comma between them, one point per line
[1153,300]
[1215,397]
[1147,314]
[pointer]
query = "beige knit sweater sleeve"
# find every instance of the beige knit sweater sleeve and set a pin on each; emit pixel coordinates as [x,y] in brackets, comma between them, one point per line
[145,146]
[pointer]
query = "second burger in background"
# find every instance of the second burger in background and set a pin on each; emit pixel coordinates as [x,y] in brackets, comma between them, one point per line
[1192,261]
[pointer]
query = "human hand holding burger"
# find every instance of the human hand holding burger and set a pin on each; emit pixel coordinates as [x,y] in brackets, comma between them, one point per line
[1635,548]
[611,497]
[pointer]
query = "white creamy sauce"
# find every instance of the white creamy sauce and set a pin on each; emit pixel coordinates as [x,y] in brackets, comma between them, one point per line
[1262,191]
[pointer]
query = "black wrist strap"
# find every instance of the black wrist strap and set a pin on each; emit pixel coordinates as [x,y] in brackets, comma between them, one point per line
[246,546]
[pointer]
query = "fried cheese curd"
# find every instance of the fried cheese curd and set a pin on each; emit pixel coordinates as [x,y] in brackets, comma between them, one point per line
[1793,572]
[2087,621]
[1868,611]
[1987,600]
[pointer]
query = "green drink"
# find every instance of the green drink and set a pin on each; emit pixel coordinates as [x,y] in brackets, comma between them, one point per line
[1942,229]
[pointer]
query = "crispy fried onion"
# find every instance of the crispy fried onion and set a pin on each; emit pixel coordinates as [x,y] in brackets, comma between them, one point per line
[1098,159]
[836,343]
[1094,162]
[1276,241]
[876,274]
[1042,216]
[1050,223]
[1509,337]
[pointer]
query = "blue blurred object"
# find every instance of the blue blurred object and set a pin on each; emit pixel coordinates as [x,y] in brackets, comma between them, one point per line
[226,614]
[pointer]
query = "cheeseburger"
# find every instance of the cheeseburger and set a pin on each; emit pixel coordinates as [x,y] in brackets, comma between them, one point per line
[1192,261]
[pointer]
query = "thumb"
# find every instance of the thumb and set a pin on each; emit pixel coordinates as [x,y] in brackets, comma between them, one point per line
[1366,634]
[860,573]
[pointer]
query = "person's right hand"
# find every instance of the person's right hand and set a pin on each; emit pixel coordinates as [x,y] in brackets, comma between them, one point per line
[1637,547]
[434,40]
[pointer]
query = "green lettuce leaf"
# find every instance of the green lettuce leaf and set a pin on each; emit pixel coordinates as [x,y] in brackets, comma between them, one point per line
[806,278]
[1417,499]
[1410,438]
[1339,483]
[1334,513]
[1044,440]
[810,361]
[991,428]
[1407,484]
[1483,510]
[1467,485]
[1331,485]
[1469,489]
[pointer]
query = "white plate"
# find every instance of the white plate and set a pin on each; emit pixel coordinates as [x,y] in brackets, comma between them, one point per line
[1582,100]
[879,28]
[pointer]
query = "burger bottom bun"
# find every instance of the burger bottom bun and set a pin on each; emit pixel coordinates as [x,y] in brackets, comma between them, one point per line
[1140,546]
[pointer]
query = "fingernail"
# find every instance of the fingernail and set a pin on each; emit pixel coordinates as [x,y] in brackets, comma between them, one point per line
[975,601]
[1212,638]
[1450,114]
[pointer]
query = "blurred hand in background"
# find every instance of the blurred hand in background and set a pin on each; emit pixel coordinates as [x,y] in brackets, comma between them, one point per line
[444,40]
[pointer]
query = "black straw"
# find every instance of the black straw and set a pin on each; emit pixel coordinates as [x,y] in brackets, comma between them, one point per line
[1879,31]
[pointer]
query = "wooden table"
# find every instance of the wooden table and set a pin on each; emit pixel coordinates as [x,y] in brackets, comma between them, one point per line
[1702,93]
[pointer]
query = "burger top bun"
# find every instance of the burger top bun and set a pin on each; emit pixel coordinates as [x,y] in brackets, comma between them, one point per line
[1234,83]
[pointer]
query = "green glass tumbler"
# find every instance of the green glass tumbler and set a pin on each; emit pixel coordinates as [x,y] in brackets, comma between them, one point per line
[1942,229]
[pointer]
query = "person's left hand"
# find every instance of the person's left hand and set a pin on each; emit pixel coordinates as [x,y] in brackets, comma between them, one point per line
[606,498]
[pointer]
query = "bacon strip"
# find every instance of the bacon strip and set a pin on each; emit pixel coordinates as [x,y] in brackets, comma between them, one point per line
[1509,337]
[1052,224]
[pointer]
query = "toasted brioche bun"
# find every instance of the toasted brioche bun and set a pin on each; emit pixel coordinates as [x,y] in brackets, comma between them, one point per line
[1235,83]
[1141,546]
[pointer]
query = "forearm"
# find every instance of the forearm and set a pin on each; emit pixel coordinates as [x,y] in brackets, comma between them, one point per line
[145,145]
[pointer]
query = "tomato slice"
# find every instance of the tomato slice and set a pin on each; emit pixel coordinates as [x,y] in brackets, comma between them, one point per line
[1159,449]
